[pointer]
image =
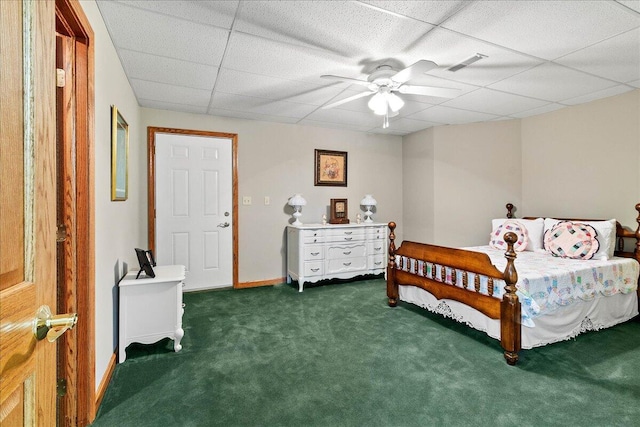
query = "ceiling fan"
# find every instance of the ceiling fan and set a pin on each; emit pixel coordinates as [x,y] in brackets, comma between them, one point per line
[383,84]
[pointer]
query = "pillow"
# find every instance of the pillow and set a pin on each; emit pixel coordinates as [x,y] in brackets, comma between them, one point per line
[569,239]
[534,227]
[606,235]
[497,236]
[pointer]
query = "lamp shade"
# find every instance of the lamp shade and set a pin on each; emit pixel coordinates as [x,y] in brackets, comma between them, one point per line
[368,201]
[297,200]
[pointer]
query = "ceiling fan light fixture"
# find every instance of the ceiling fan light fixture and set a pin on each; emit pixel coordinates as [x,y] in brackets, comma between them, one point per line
[378,103]
[395,102]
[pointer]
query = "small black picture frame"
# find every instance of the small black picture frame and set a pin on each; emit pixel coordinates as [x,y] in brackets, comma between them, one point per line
[146,261]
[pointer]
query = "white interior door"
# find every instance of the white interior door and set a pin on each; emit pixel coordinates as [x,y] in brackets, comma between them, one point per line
[194,207]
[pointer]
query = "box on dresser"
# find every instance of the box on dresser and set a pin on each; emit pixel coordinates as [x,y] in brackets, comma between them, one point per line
[335,251]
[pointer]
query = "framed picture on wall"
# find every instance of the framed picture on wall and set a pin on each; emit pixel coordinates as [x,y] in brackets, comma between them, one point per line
[119,156]
[331,168]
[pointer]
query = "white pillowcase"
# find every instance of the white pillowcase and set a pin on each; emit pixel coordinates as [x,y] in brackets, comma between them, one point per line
[535,231]
[606,235]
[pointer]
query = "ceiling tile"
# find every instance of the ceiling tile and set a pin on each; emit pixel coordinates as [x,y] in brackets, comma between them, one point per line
[447,115]
[287,61]
[251,116]
[241,83]
[252,104]
[410,125]
[432,12]
[216,13]
[494,102]
[171,71]
[635,83]
[148,32]
[344,28]
[159,105]
[605,93]
[552,82]
[448,48]
[541,110]
[631,4]
[168,93]
[545,29]
[617,58]
[346,117]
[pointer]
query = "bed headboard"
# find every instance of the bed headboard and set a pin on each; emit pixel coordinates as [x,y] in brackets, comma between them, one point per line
[621,232]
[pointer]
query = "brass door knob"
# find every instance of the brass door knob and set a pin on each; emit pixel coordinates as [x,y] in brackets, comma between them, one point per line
[47,325]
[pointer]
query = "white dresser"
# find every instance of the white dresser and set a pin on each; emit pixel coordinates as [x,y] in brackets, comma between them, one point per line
[335,251]
[151,308]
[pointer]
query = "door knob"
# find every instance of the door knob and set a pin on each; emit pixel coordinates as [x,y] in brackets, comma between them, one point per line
[223,225]
[47,325]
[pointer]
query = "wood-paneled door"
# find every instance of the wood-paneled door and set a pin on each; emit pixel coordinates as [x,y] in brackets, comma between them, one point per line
[75,211]
[27,210]
[193,218]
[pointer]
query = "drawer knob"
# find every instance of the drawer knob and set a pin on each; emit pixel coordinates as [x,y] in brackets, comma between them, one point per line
[315,253]
[378,263]
[315,269]
[377,249]
[348,238]
[348,232]
[346,252]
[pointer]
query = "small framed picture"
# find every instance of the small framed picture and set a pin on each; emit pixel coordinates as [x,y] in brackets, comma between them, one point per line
[331,168]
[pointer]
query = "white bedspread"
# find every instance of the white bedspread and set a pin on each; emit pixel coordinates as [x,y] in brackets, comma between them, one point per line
[547,283]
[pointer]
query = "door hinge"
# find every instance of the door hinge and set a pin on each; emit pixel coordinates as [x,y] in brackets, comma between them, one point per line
[61,387]
[60,77]
[61,233]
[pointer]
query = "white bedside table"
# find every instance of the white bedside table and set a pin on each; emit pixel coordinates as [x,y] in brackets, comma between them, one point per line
[151,308]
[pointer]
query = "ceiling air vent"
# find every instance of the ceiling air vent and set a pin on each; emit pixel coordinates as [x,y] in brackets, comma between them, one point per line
[467,62]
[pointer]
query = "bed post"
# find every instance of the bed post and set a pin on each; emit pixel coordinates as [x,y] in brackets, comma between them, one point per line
[510,315]
[509,207]
[392,286]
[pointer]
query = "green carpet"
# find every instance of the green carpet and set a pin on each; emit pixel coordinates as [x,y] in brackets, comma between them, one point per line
[337,355]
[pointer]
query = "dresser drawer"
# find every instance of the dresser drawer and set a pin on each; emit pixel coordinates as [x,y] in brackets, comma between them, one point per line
[376,233]
[312,240]
[376,248]
[313,268]
[345,232]
[346,264]
[377,262]
[345,251]
[313,252]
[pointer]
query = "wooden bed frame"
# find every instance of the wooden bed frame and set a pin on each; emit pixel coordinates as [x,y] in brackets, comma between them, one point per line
[419,263]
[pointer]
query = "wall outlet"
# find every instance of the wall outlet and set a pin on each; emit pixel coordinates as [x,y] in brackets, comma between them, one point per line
[246,200]
[267,200]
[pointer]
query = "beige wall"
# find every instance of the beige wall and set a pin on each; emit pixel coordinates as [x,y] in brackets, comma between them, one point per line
[277,160]
[456,178]
[119,226]
[580,161]
[584,160]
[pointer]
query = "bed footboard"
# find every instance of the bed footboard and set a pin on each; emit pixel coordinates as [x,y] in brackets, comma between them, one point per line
[456,274]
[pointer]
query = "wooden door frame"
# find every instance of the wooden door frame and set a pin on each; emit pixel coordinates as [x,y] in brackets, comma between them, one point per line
[79,287]
[151,183]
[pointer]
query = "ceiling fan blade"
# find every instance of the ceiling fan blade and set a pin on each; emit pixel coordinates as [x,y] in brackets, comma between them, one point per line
[440,92]
[413,71]
[348,99]
[346,79]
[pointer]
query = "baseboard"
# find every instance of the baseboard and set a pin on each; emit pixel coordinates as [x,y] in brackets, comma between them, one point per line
[102,389]
[270,282]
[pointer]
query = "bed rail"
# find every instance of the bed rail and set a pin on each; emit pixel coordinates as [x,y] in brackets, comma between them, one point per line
[436,269]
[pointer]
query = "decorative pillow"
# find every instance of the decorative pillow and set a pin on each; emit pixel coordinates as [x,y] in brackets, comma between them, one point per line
[606,232]
[568,239]
[497,236]
[534,227]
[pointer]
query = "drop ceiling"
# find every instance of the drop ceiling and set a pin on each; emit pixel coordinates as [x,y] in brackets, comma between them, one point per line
[262,60]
